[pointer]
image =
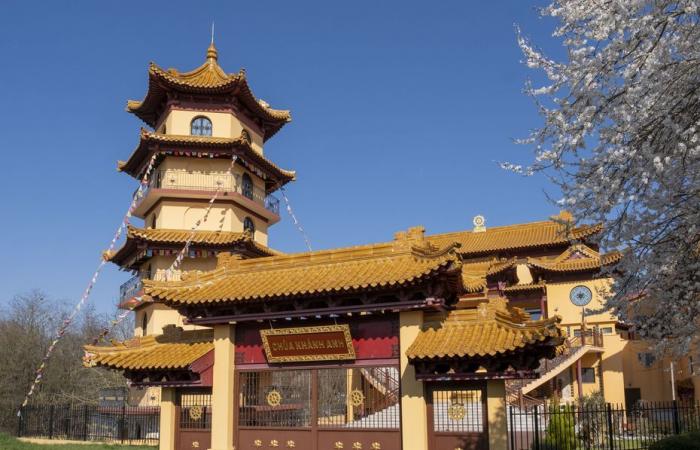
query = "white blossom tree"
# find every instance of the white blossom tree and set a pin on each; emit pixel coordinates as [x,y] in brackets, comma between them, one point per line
[621,140]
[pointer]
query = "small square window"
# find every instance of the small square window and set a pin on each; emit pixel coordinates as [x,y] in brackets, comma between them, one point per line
[588,375]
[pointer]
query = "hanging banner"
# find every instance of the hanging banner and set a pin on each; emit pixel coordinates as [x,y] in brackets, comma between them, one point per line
[322,343]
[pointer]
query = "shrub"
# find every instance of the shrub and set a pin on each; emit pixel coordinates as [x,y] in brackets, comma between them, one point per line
[687,441]
[561,431]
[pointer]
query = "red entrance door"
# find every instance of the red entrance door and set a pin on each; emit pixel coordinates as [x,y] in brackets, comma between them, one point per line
[193,414]
[334,408]
[457,416]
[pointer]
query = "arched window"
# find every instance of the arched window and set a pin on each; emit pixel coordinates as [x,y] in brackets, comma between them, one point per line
[144,323]
[248,225]
[247,186]
[200,126]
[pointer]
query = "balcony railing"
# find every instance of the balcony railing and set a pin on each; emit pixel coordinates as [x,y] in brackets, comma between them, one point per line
[130,289]
[210,181]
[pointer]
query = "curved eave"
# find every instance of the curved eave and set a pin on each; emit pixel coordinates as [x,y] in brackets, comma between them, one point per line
[135,236]
[161,81]
[576,266]
[161,292]
[435,345]
[134,166]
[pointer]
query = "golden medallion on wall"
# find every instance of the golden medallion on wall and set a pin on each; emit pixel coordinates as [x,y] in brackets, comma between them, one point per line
[357,397]
[196,412]
[273,398]
[456,411]
[376,446]
[291,444]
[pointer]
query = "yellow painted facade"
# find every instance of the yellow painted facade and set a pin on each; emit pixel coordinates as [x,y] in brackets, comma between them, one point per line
[224,124]
[623,372]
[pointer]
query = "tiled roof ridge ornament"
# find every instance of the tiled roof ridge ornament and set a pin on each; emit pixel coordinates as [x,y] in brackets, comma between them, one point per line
[564,216]
[479,222]
[227,260]
[414,240]
[212,53]
[172,331]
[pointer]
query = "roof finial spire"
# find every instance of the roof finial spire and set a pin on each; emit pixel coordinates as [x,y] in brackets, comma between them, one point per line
[212,54]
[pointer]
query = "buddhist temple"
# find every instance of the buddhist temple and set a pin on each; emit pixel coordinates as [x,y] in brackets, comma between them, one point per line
[418,342]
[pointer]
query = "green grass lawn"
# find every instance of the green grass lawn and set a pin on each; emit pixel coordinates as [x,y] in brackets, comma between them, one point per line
[10,443]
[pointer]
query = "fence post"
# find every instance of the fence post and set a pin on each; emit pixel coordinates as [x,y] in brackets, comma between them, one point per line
[511,428]
[19,422]
[611,442]
[676,421]
[537,429]
[123,427]
[85,422]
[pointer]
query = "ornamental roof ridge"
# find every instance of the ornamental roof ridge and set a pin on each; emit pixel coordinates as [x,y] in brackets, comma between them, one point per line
[372,267]
[229,264]
[493,327]
[517,236]
[174,350]
[575,265]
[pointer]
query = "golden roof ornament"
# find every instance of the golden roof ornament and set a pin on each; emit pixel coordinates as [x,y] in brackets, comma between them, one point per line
[212,54]
[479,223]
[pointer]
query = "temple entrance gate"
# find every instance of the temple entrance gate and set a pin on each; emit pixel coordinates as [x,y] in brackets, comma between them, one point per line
[319,408]
[457,416]
[193,419]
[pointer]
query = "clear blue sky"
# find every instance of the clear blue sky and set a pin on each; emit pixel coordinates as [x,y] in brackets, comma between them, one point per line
[400,110]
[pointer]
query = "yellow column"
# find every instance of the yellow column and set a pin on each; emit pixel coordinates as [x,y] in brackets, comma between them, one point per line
[167,419]
[414,419]
[222,397]
[498,420]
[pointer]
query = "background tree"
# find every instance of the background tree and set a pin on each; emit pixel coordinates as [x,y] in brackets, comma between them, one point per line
[621,139]
[27,326]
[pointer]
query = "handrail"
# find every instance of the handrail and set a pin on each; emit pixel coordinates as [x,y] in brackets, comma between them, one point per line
[210,181]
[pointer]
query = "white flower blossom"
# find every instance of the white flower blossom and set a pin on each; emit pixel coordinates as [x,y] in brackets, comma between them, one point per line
[620,137]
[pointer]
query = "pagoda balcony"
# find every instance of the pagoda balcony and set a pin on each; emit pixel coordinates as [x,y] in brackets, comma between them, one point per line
[202,185]
[131,291]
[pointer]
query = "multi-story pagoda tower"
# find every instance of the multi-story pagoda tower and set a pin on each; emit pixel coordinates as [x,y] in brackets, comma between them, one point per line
[200,120]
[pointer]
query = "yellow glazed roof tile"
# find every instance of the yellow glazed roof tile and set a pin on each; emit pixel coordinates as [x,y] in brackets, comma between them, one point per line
[406,261]
[491,329]
[589,262]
[135,160]
[514,237]
[209,78]
[164,236]
[172,350]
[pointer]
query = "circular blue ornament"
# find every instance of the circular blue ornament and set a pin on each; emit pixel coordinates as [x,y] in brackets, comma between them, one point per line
[580,296]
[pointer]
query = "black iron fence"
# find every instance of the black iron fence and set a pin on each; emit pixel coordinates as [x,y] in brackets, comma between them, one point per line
[122,424]
[599,427]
